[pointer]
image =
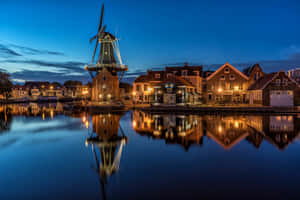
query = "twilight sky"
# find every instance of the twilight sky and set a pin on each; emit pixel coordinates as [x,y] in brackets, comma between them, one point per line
[49,39]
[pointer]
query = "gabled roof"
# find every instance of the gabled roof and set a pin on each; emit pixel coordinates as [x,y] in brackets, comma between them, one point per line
[262,82]
[178,81]
[268,78]
[249,70]
[230,66]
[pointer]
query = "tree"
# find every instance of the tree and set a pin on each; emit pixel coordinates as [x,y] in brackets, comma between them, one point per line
[72,83]
[5,85]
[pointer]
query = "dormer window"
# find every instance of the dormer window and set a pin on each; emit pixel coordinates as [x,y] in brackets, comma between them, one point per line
[226,70]
[184,73]
[157,75]
[278,82]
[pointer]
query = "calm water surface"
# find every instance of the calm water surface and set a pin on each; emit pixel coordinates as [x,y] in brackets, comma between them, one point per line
[46,153]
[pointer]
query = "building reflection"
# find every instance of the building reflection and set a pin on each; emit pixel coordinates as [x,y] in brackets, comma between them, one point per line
[106,140]
[226,130]
[279,130]
[185,130]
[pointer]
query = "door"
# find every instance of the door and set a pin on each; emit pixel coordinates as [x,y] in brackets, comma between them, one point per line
[281,98]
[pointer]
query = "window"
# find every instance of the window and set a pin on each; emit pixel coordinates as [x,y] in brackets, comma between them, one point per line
[169,75]
[145,87]
[226,70]
[285,82]
[255,77]
[209,97]
[232,77]
[157,75]
[138,88]
[222,77]
[184,73]
[278,82]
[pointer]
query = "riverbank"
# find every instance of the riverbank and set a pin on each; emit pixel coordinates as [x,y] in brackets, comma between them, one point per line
[39,100]
[216,109]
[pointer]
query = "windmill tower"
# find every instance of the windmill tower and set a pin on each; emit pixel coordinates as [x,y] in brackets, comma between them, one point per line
[108,69]
[107,146]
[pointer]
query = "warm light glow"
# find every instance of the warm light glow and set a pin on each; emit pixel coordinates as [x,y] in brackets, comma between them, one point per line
[43,115]
[51,87]
[236,87]
[220,129]
[236,124]
[133,93]
[51,114]
[134,124]
[109,96]
[220,90]
[83,118]
[87,124]
[85,92]
[100,96]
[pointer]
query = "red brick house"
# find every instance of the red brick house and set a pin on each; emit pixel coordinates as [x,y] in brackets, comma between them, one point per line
[275,89]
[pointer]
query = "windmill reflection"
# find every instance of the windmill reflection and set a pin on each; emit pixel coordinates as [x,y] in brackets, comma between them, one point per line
[106,145]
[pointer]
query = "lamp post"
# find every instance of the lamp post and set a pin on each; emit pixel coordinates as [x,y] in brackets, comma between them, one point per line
[85,93]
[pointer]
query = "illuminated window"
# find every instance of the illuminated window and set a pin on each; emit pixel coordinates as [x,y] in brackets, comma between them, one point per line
[157,75]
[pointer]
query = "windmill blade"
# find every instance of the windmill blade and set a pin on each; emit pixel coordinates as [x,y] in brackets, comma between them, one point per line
[102,31]
[101,18]
[92,39]
[95,52]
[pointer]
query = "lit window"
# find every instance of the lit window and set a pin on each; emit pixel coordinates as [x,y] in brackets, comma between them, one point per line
[157,75]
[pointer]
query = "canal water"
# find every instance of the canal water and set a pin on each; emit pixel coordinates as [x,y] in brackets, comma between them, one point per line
[48,153]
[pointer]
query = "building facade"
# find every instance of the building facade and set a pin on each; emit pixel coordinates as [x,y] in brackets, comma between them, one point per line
[275,89]
[227,85]
[174,86]
[294,74]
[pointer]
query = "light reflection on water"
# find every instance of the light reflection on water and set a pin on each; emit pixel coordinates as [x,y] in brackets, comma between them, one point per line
[52,154]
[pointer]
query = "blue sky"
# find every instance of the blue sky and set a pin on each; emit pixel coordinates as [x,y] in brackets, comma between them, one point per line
[49,39]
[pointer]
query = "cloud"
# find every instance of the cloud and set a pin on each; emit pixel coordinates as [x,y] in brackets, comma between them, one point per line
[67,66]
[13,50]
[7,52]
[34,75]
[32,51]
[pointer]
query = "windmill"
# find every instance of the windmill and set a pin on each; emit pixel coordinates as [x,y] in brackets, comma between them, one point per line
[109,54]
